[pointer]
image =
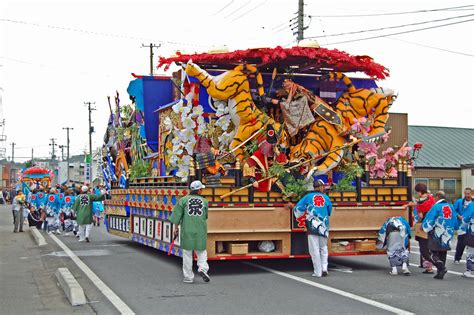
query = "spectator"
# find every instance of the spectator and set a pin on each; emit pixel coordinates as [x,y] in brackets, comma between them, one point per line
[17,208]
[34,218]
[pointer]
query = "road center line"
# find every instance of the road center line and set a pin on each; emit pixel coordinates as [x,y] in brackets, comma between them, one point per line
[331,289]
[109,294]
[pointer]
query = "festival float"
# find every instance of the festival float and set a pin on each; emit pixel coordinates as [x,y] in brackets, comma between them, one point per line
[256,126]
[35,177]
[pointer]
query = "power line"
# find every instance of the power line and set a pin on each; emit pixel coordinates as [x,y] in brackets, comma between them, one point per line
[392,27]
[238,9]
[224,7]
[70,29]
[394,13]
[247,12]
[398,33]
[432,47]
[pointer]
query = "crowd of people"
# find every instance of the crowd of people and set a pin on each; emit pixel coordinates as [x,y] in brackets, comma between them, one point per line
[437,221]
[59,209]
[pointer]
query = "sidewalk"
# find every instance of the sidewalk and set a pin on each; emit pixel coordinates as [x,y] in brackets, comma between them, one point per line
[27,281]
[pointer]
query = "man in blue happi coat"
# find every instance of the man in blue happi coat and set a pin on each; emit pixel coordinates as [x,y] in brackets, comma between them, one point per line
[317,206]
[440,223]
[467,227]
[460,206]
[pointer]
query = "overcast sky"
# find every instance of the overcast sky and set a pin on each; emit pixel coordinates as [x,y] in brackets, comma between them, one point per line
[54,56]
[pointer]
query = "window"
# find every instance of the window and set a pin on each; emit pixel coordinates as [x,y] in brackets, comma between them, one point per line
[421,180]
[449,187]
[434,185]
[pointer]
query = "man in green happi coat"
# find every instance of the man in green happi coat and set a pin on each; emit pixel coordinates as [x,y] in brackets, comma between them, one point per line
[191,214]
[83,209]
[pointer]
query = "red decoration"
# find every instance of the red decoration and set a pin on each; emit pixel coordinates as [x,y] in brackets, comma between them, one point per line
[326,57]
[318,201]
[302,221]
[447,212]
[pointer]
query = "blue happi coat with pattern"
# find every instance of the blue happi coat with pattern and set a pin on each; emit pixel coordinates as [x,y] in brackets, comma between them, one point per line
[318,207]
[440,223]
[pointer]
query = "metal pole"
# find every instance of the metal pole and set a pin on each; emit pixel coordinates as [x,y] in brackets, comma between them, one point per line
[300,20]
[67,149]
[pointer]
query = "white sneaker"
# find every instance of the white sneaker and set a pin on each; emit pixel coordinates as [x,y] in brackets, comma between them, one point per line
[393,273]
[186,280]
[315,275]
[58,232]
[67,234]
[81,240]
[49,232]
[406,272]
[468,274]
[457,262]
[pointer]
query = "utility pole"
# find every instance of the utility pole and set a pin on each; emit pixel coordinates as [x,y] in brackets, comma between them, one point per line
[91,130]
[32,150]
[301,27]
[62,151]
[151,46]
[53,144]
[67,149]
[13,152]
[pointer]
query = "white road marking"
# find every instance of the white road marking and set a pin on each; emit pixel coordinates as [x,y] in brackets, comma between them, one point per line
[106,291]
[452,251]
[333,290]
[339,268]
[449,271]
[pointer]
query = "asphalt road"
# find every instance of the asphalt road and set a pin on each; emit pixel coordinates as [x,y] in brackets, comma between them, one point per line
[149,281]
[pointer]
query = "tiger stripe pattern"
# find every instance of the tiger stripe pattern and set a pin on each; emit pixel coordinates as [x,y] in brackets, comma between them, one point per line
[358,103]
[233,86]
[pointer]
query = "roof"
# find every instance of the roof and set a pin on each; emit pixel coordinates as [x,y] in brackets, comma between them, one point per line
[443,147]
[296,59]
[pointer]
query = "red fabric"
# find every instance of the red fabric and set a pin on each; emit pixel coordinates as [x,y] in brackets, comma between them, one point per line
[331,57]
[426,205]
[264,186]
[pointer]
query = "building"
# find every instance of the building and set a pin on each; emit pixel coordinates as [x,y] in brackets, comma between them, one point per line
[446,159]
[467,175]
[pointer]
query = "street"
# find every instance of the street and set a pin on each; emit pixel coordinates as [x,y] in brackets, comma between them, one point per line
[149,281]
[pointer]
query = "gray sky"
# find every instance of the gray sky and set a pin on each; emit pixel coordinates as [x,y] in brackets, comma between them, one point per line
[54,56]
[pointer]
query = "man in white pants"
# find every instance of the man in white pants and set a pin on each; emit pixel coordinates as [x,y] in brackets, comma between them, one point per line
[83,209]
[191,214]
[317,207]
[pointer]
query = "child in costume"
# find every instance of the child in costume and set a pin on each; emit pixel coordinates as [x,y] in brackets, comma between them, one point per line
[394,236]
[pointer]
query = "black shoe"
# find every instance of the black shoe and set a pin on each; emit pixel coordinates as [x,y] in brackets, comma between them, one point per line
[98,224]
[204,275]
[440,274]
[20,231]
[324,274]
[87,240]
[75,233]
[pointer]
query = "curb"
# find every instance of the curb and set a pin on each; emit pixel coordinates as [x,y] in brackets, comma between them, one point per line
[38,237]
[70,286]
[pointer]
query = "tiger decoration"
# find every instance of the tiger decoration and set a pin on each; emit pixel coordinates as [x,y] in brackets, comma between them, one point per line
[358,103]
[321,137]
[233,86]
[351,105]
